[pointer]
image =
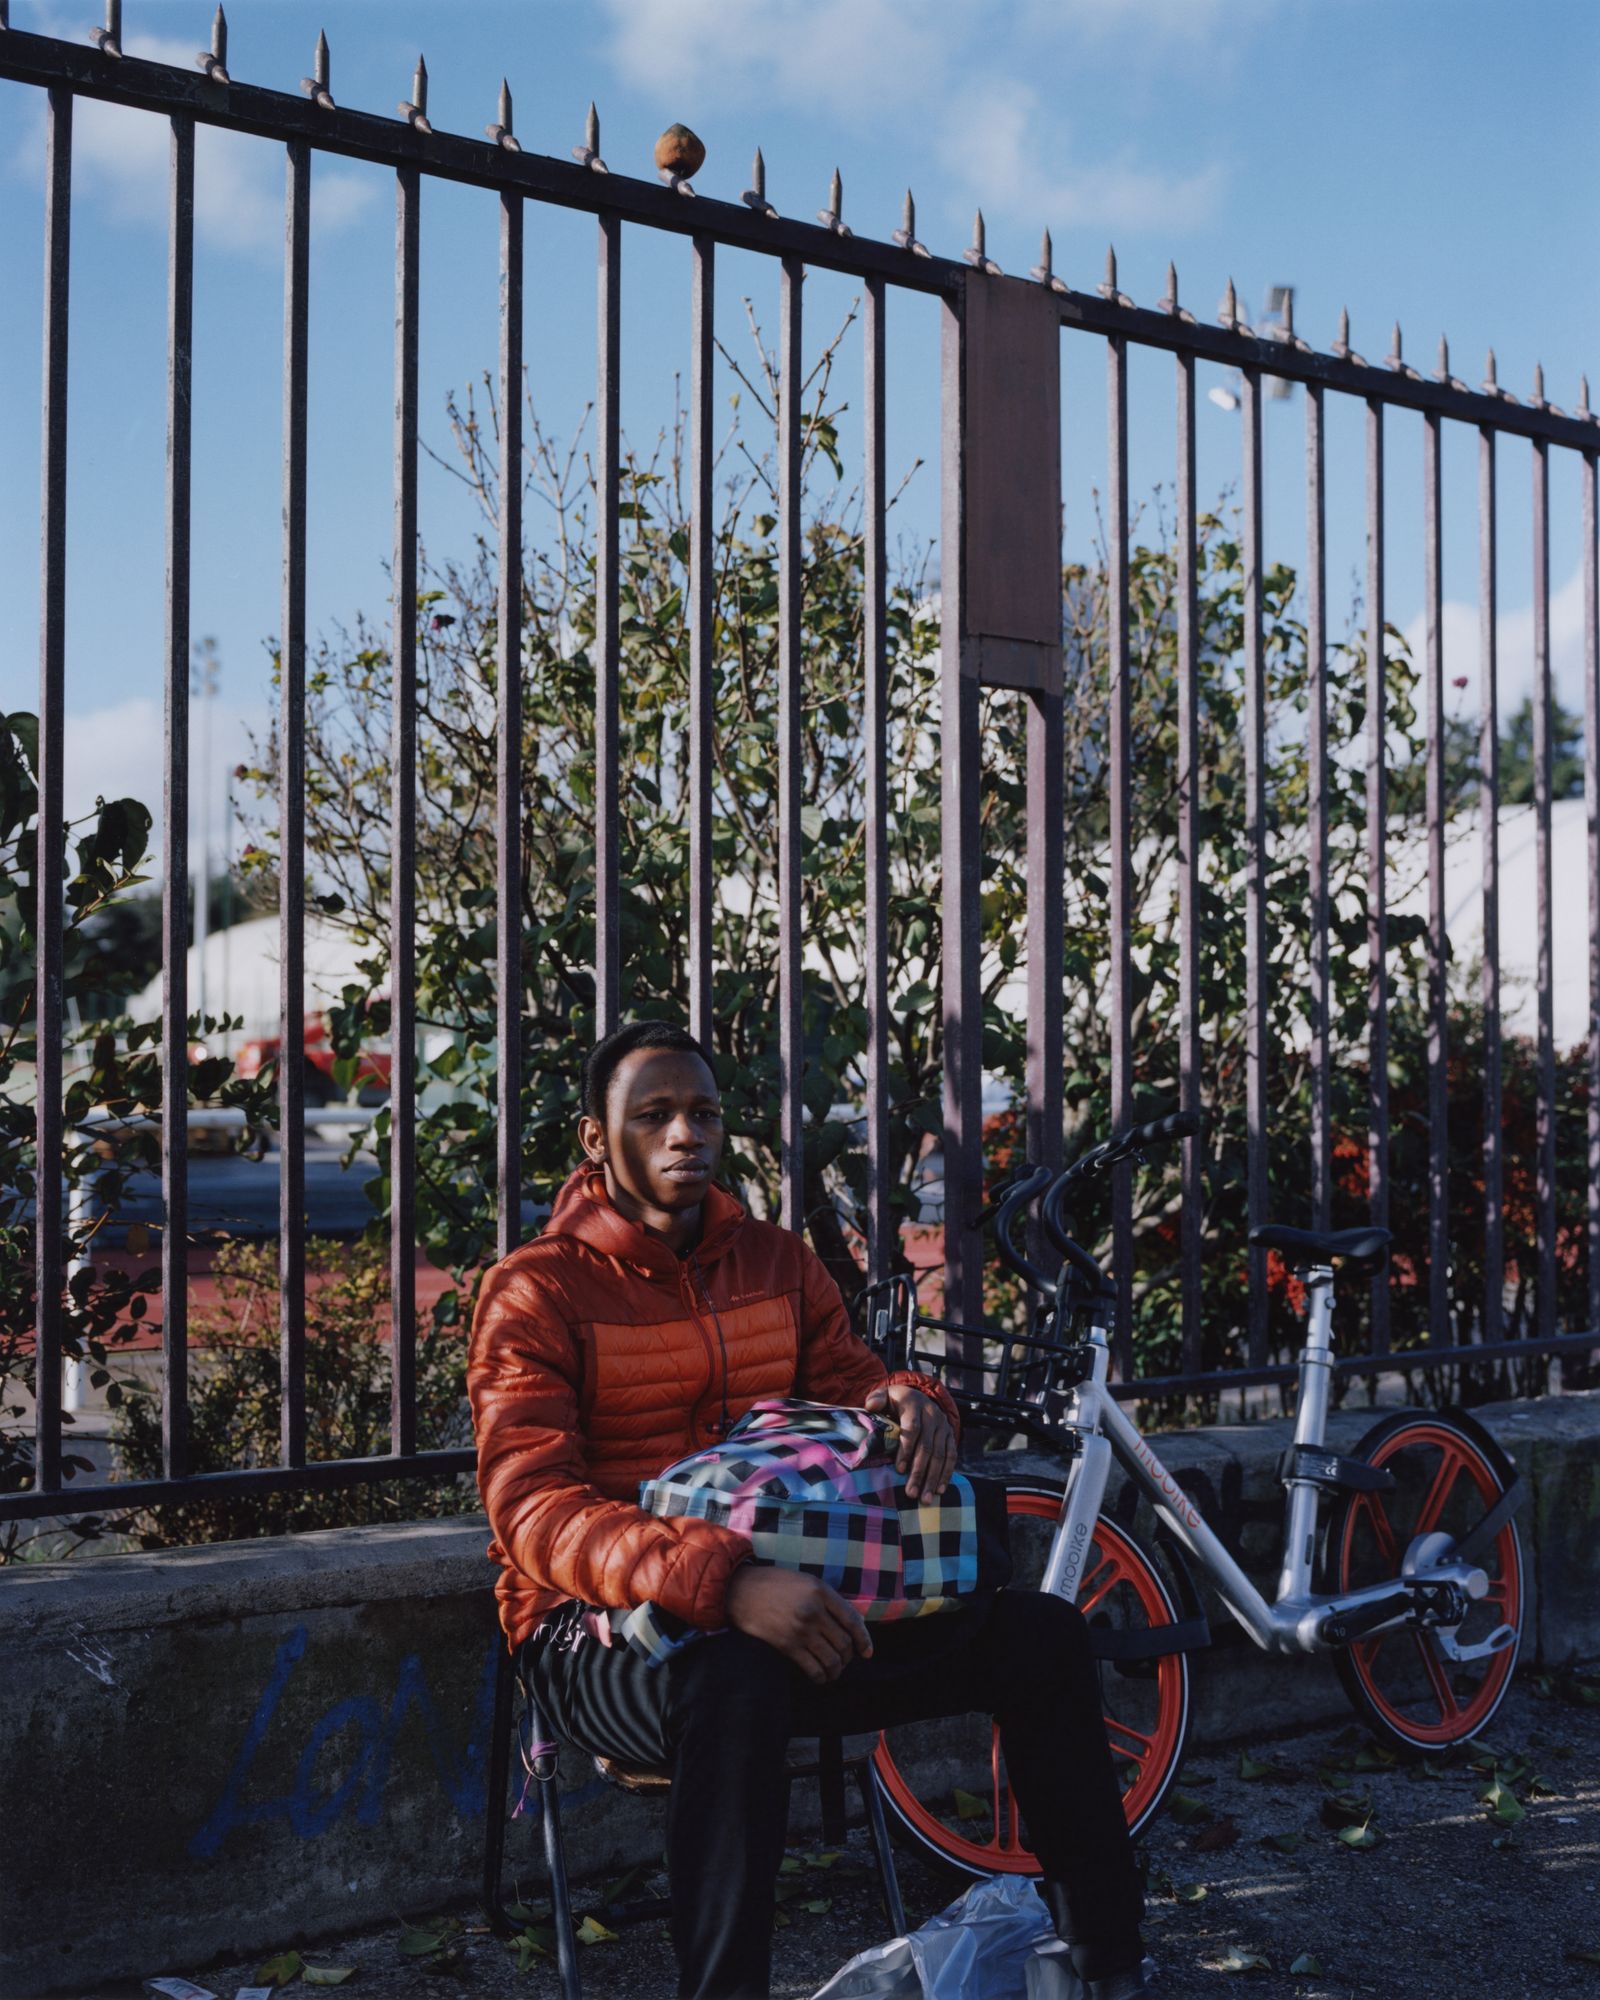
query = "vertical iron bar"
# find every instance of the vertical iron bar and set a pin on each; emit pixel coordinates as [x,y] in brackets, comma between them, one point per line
[1438,994]
[1121,754]
[175,817]
[291,817]
[960,857]
[1377,898]
[875,723]
[1255,866]
[1189,865]
[508,731]
[1317,808]
[1046,920]
[1545,1124]
[1591,797]
[403,835]
[702,652]
[50,864]
[1494,1244]
[607,805]
[791,1054]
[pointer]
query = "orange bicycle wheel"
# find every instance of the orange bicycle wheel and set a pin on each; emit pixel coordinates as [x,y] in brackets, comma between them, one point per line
[1448,1473]
[946,1783]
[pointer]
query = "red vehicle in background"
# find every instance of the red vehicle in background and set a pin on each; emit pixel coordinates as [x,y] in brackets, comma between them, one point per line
[370,1084]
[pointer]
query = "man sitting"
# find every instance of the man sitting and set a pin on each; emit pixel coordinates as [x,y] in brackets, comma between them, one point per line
[644,1321]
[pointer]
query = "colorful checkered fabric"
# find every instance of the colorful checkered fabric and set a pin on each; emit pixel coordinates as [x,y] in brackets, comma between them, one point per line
[815,1489]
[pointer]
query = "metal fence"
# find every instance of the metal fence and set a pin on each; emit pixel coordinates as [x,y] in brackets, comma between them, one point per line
[978,567]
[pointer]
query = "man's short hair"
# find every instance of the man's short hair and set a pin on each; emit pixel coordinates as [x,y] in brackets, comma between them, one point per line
[600,1064]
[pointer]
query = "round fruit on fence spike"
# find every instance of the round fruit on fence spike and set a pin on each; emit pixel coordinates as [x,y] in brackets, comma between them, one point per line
[681,152]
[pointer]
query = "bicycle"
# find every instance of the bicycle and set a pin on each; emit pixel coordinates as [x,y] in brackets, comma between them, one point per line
[1410,1540]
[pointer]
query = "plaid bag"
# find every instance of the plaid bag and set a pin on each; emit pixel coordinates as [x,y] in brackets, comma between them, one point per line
[815,1488]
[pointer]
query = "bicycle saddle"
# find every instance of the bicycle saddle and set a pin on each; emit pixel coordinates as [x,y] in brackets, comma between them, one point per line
[1363,1244]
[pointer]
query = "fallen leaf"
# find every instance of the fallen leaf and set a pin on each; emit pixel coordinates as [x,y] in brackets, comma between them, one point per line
[1309,1964]
[278,1971]
[819,1906]
[625,1884]
[1541,1788]
[531,1945]
[1374,1757]
[968,1805]
[1252,1768]
[824,1859]
[1505,1808]
[1285,1843]
[1188,1777]
[524,1913]
[326,1975]
[1578,1956]
[1189,1892]
[422,1941]
[1363,1836]
[1187,1811]
[788,1865]
[1214,1838]
[1345,1809]
[1237,1959]
[592,1931]
[782,1919]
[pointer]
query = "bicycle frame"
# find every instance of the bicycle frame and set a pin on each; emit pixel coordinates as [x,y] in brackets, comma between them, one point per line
[1293,1622]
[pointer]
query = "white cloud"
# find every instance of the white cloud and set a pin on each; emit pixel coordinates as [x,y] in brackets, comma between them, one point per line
[1513,649]
[121,158]
[931,67]
[115,752]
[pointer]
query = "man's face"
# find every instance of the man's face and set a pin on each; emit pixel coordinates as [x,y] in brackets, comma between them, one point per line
[662,1133]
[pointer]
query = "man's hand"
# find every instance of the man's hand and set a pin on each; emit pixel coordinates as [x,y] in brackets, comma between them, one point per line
[927,1437]
[800,1616]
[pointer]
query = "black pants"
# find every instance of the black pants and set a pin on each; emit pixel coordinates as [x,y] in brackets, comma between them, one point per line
[719,1714]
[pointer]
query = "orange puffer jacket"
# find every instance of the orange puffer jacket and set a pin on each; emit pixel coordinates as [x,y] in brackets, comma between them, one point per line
[598,1358]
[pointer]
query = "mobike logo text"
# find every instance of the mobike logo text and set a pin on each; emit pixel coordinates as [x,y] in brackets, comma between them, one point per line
[1073,1561]
[1171,1491]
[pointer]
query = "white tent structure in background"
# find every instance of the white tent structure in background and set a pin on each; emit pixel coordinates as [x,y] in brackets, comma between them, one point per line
[241,973]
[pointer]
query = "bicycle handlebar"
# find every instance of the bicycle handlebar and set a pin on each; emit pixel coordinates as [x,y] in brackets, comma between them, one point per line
[1121,1146]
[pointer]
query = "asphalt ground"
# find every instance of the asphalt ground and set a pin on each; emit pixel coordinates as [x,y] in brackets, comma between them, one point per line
[1457,1897]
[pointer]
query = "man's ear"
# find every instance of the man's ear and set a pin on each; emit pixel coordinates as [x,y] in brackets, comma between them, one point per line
[592,1138]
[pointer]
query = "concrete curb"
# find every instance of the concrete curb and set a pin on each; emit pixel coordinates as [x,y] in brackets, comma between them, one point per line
[234,1748]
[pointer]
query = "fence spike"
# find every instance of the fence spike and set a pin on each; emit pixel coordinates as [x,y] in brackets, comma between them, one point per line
[504,107]
[415,108]
[317,86]
[1444,359]
[1583,396]
[588,154]
[832,216]
[755,195]
[214,61]
[1341,343]
[906,234]
[1491,378]
[5,15]
[108,40]
[1288,314]
[1395,360]
[1111,271]
[977,254]
[1044,270]
[1538,382]
[1230,306]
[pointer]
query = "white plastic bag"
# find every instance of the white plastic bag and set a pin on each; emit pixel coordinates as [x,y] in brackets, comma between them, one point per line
[979,1948]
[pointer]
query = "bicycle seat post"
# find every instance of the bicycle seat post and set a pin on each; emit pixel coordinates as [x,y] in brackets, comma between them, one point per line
[1310,1427]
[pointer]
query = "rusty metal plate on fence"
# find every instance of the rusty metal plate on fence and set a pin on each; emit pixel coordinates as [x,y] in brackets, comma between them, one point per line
[1007,373]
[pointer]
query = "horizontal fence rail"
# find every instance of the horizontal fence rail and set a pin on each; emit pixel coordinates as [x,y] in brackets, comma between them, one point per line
[419,155]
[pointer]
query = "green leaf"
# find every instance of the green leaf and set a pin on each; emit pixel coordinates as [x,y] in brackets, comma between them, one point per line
[1188,1811]
[423,1940]
[327,1975]
[1309,1964]
[625,1884]
[968,1805]
[1363,1836]
[819,1906]
[789,1865]
[1237,1959]
[1189,1892]
[1283,1843]
[592,1931]
[1504,1806]
[1251,1768]
[1578,1956]
[278,1971]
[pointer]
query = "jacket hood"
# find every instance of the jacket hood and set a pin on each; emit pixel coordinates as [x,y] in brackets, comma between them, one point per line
[583,1209]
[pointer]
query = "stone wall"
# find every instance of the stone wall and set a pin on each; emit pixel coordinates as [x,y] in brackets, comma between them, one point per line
[249,1745]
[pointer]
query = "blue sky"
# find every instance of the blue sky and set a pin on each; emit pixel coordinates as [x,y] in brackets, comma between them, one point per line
[1426,160]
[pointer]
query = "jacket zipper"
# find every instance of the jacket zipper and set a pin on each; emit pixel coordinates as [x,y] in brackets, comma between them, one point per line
[705,1292]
